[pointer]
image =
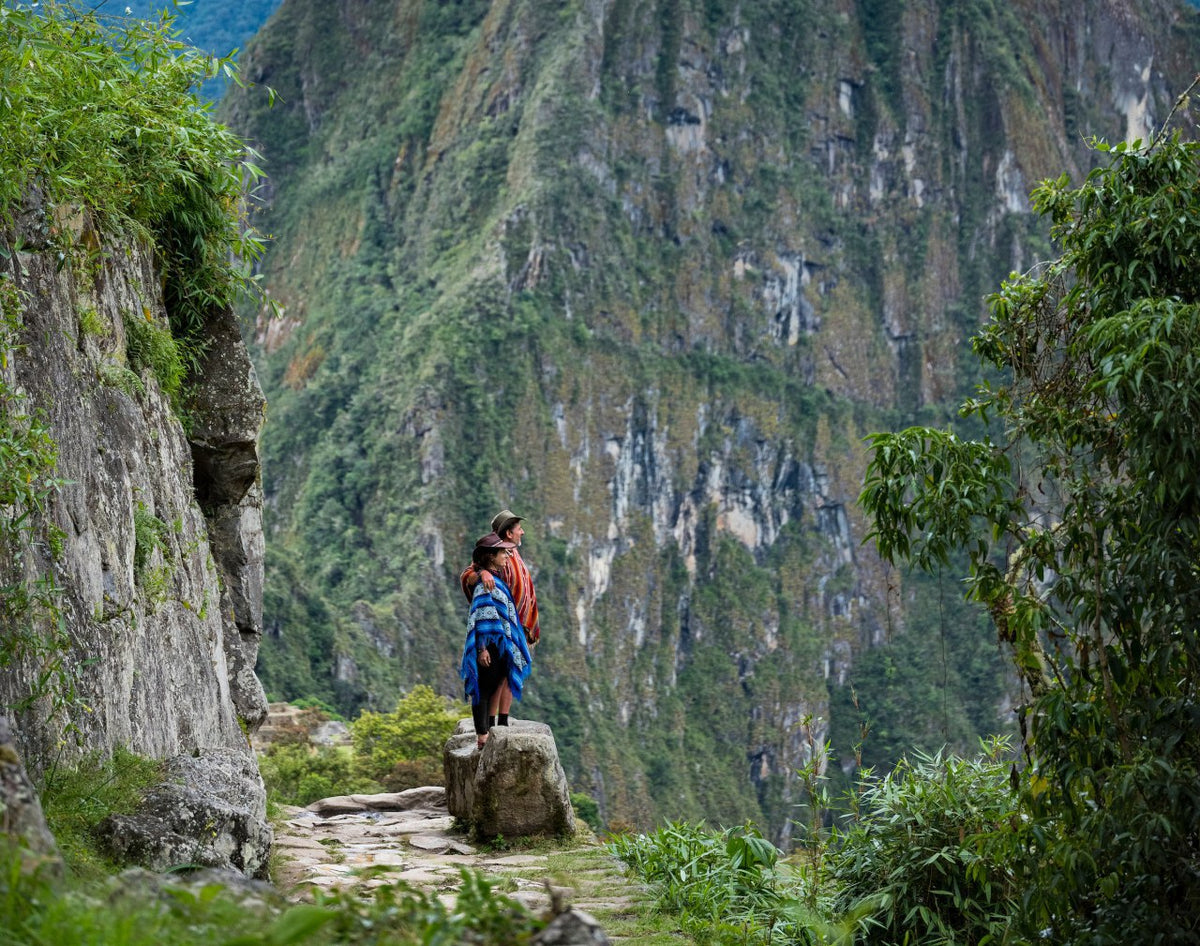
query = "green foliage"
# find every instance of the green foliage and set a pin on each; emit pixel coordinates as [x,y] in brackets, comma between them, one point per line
[149,536]
[297,773]
[468,221]
[922,855]
[220,29]
[76,798]
[148,345]
[91,322]
[918,863]
[415,733]
[100,112]
[932,686]
[316,703]
[725,886]
[122,378]
[1082,528]
[587,809]
[29,597]
[883,38]
[37,909]
[28,455]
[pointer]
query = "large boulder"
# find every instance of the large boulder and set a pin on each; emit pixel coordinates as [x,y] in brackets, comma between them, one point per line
[209,812]
[21,818]
[514,786]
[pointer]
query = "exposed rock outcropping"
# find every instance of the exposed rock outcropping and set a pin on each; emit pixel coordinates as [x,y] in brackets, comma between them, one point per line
[155,536]
[514,786]
[209,812]
[21,818]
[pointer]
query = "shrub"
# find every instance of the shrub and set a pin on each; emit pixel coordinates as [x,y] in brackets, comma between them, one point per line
[921,862]
[318,705]
[723,885]
[587,810]
[152,346]
[297,773]
[415,732]
[38,909]
[101,112]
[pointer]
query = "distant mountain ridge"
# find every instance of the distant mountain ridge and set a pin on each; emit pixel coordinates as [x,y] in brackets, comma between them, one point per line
[647,273]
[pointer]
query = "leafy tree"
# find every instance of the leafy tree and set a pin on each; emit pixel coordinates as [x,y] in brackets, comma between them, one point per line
[414,733]
[299,773]
[1080,517]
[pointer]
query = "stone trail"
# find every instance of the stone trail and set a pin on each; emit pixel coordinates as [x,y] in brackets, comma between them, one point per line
[365,841]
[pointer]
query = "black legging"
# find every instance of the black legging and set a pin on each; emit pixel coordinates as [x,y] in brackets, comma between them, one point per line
[490,679]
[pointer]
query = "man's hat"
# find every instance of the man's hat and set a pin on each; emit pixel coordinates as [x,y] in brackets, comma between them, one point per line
[493,541]
[505,519]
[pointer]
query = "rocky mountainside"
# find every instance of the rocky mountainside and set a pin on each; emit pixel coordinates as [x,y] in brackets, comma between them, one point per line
[159,570]
[647,273]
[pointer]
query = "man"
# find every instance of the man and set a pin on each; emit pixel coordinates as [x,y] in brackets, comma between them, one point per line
[515,573]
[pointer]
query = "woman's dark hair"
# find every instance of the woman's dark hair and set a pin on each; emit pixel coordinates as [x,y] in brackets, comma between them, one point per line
[484,557]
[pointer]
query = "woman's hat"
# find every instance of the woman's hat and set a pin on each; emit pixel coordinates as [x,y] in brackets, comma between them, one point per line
[493,541]
[505,519]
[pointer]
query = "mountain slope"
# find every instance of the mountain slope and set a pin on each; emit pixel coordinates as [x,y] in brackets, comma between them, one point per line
[647,273]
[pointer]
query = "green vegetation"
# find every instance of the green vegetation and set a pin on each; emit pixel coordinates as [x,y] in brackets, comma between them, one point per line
[101,115]
[549,274]
[724,886]
[76,798]
[37,909]
[149,536]
[404,749]
[103,141]
[217,28]
[298,773]
[586,810]
[152,346]
[28,593]
[1081,521]
[926,854]
[919,858]
[388,752]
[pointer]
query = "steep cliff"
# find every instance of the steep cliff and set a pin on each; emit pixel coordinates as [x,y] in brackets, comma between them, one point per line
[157,558]
[647,273]
[131,547]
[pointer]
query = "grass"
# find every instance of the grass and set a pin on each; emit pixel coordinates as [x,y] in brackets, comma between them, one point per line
[39,909]
[623,907]
[76,799]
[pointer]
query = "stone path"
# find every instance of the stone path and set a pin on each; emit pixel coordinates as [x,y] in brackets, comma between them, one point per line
[365,841]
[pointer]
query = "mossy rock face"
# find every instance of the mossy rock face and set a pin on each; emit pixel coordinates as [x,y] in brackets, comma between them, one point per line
[209,811]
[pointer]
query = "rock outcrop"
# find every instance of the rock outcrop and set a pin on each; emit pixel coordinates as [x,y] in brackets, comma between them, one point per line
[153,537]
[209,812]
[572,928]
[21,818]
[514,786]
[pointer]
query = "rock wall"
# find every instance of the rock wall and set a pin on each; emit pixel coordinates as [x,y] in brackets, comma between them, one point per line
[156,536]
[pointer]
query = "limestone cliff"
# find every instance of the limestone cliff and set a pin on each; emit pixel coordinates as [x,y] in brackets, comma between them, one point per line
[647,272]
[152,537]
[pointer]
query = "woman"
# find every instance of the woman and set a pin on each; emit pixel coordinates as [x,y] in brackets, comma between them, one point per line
[495,648]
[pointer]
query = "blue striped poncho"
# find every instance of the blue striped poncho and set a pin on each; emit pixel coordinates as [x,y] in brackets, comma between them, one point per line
[493,619]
